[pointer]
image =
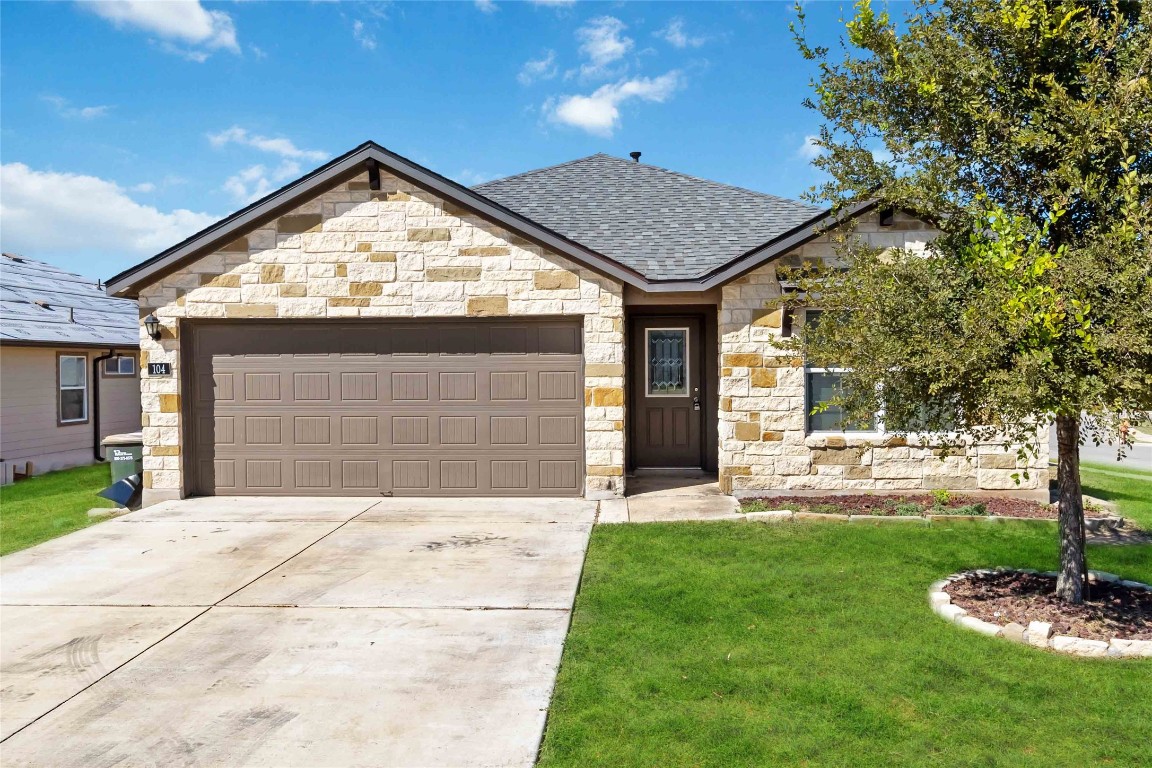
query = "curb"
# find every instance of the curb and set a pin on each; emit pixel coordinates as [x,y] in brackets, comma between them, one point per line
[1037,634]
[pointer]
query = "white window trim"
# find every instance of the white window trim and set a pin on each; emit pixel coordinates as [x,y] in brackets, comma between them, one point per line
[60,387]
[119,373]
[687,366]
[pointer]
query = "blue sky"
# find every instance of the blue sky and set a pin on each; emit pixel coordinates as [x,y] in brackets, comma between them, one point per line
[128,125]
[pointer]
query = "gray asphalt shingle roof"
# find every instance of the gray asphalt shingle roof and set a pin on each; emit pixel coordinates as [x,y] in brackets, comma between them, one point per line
[665,225]
[40,303]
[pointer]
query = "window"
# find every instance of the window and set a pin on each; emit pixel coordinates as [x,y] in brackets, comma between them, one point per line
[122,365]
[822,385]
[667,369]
[73,389]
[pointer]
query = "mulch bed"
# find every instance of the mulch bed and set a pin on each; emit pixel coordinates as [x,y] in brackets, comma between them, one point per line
[1112,610]
[885,504]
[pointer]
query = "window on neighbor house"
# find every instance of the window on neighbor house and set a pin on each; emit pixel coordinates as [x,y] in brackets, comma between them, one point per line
[821,385]
[121,365]
[73,389]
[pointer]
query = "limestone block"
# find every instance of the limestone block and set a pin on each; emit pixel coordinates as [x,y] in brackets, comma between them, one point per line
[793,465]
[213,295]
[995,461]
[1078,646]
[487,306]
[308,307]
[837,456]
[329,242]
[897,469]
[446,274]
[983,627]
[250,310]
[1038,633]
[1131,648]
[999,479]
[548,280]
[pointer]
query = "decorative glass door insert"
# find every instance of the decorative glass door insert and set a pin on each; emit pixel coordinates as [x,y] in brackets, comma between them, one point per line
[667,368]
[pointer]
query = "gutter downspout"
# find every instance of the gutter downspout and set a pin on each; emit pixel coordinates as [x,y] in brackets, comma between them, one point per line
[96,403]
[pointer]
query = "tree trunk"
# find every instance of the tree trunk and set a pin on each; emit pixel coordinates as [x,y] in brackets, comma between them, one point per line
[1072,583]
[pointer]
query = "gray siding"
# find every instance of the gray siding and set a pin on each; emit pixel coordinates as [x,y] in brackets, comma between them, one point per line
[28,428]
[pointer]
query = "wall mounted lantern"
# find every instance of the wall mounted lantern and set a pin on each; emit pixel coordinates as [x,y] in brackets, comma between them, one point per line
[152,326]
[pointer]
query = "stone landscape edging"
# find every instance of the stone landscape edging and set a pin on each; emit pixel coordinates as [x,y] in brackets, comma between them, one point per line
[1038,634]
[784,515]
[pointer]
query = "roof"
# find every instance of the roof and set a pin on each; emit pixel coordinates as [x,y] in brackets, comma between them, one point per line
[664,224]
[665,232]
[42,304]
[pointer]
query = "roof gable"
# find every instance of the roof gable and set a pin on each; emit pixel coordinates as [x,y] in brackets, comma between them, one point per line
[327,176]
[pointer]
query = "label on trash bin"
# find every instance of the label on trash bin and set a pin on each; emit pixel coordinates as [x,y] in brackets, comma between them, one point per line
[159,369]
[119,454]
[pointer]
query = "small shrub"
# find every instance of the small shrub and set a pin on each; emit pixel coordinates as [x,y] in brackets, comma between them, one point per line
[908,509]
[753,505]
[826,509]
[941,497]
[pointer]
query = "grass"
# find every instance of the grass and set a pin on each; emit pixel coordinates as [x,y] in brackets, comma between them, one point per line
[1130,488]
[50,505]
[811,644]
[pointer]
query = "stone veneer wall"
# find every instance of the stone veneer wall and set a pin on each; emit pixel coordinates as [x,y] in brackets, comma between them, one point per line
[397,252]
[763,441]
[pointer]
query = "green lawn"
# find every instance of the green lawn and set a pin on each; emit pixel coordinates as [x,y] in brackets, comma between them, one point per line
[47,506]
[812,644]
[1125,486]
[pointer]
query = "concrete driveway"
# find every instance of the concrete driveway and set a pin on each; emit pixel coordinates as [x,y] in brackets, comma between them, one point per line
[291,632]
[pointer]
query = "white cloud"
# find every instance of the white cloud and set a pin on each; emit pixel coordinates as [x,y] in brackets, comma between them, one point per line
[46,212]
[282,147]
[810,150]
[543,68]
[366,39]
[174,21]
[486,6]
[470,178]
[64,108]
[599,113]
[256,181]
[554,3]
[144,186]
[674,33]
[603,42]
[882,155]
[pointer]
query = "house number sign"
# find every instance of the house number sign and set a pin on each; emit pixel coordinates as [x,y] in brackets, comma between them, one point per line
[159,369]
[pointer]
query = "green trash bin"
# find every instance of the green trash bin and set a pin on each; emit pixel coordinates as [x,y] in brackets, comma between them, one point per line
[125,454]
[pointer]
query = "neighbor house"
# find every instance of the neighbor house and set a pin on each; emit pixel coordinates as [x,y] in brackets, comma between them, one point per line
[68,367]
[374,328]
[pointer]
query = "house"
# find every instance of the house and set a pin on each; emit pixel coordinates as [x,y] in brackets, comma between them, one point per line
[374,328]
[68,367]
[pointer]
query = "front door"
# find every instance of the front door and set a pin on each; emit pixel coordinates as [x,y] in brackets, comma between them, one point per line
[667,391]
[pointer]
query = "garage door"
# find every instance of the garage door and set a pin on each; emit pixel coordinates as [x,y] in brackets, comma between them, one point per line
[428,408]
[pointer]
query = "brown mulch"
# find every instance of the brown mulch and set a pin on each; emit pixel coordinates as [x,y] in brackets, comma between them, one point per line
[1112,610]
[884,504]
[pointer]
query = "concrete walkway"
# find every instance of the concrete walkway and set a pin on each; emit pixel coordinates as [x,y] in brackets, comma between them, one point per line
[670,497]
[291,632]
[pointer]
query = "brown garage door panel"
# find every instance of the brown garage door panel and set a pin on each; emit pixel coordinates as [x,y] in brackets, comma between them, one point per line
[439,408]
